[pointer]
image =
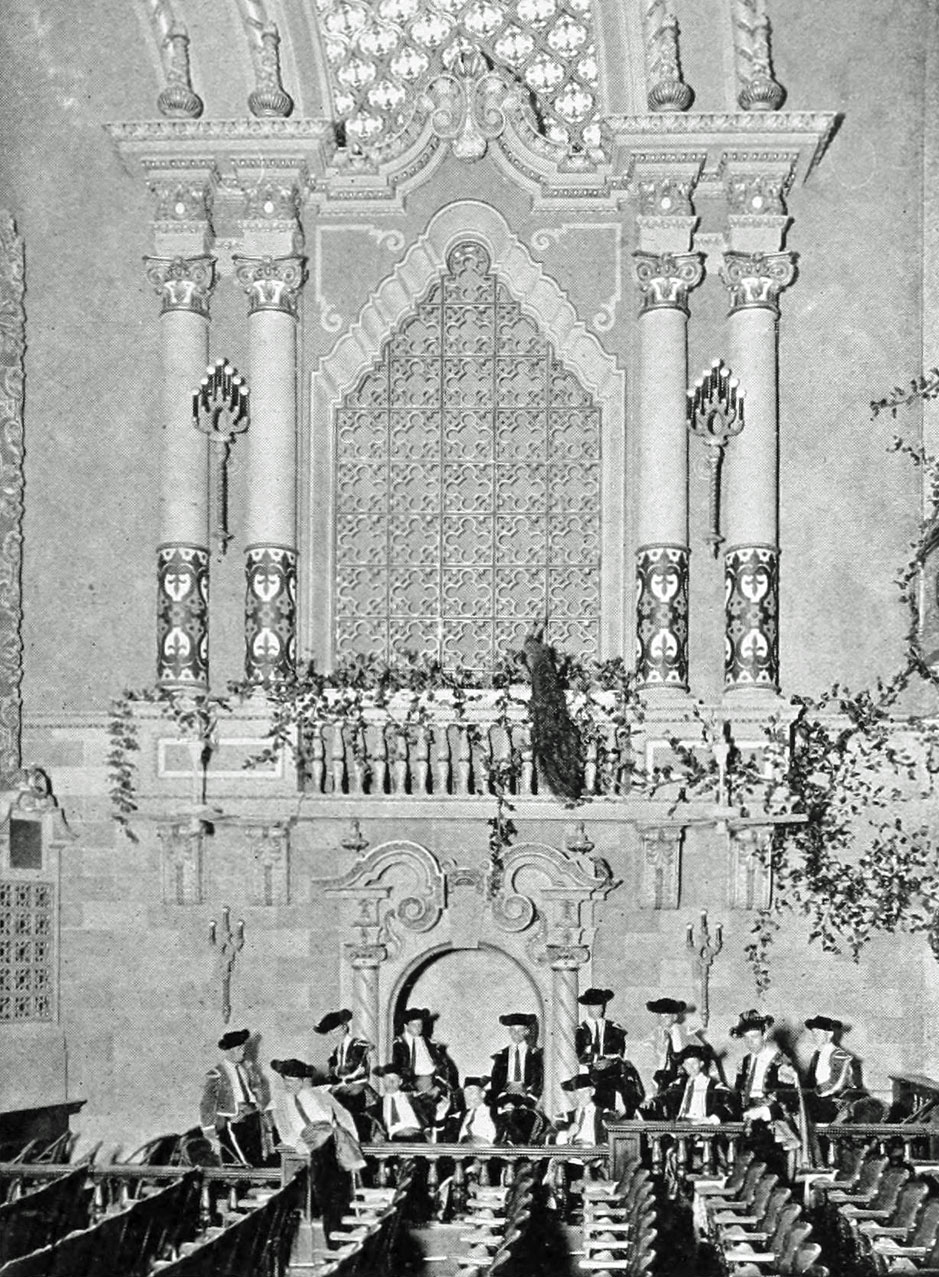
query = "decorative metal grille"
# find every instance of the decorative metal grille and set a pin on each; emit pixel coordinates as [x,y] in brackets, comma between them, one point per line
[382,55]
[26,913]
[467,484]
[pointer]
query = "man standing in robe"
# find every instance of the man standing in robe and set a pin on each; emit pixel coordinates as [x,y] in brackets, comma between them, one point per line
[601,1049]
[229,1112]
[349,1066]
[518,1069]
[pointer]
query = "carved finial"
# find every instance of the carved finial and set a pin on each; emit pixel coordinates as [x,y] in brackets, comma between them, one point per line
[178,100]
[667,90]
[759,88]
[269,100]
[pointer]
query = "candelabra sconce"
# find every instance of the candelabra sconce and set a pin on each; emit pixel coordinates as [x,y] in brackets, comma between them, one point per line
[229,944]
[220,410]
[704,949]
[715,416]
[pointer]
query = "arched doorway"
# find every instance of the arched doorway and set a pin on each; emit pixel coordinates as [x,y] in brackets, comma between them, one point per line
[466,990]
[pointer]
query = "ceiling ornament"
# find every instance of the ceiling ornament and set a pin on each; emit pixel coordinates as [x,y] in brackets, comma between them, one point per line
[383,59]
[177,100]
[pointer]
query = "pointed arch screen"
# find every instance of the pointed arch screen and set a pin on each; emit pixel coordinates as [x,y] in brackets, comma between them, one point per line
[467,484]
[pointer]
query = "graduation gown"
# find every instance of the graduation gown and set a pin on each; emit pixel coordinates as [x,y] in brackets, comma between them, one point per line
[532,1080]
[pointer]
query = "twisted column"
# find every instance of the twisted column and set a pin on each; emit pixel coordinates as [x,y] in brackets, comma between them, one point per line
[184,285]
[665,280]
[565,961]
[751,560]
[366,959]
[272,285]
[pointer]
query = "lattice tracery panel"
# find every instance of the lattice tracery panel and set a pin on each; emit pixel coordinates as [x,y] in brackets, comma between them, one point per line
[467,484]
[381,55]
[26,950]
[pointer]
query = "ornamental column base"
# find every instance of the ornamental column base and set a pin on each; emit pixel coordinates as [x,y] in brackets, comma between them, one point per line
[183,616]
[662,618]
[751,611]
[270,613]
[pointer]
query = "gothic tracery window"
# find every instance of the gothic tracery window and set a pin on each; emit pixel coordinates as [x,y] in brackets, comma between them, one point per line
[467,484]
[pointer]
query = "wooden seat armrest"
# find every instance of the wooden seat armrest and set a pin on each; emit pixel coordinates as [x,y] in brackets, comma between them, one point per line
[882,1230]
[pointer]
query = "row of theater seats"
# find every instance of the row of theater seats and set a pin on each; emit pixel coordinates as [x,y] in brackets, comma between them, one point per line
[366,1241]
[755,1225]
[501,1225]
[41,1217]
[124,1243]
[620,1223]
[879,1216]
[50,1232]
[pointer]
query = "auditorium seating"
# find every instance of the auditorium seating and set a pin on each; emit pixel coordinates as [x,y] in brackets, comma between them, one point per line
[44,1215]
[620,1224]
[123,1243]
[501,1226]
[368,1235]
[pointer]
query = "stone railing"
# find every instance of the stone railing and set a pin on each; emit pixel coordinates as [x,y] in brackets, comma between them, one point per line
[422,746]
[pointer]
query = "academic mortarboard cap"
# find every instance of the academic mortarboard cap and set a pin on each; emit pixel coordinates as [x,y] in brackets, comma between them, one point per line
[667,1006]
[236,1037]
[595,997]
[332,1020]
[580,1082]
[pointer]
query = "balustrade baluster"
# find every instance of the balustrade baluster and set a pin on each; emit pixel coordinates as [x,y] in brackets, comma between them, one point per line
[528,759]
[590,766]
[433,1176]
[458,1187]
[420,773]
[98,1203]
[658,1153]
[682,1152]
[316,758]
[380,760]
[337,759]
[358,762]
[442,758]
[205,1205]
[399,763]
[508,1175]
[484,1179]
[625,757]
[384,1177]
[464,756]
[707,1162]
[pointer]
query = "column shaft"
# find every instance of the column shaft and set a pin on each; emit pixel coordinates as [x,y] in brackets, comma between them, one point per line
[183,555]
[751,473]
[662,459]
[272,285]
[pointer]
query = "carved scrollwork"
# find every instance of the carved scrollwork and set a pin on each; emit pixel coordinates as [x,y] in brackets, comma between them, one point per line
[12,354]
[469,105]
[513,912]
[419,908]
[757,279]
[757,195]
[182,283]
[272,283]
[665,279]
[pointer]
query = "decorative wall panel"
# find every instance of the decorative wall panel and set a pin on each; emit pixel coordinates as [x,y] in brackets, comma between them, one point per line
[26,950]
[467,484]
[382,56]
[12,350]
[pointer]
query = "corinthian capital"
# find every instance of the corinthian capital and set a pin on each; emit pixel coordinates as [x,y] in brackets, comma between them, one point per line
[272,283]
[665,279]
[182,283]
[757,279]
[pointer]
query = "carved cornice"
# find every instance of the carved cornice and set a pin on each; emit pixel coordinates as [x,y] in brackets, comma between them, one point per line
[665,279]
[12,353]
[755,280]
[182,283]
[272,283]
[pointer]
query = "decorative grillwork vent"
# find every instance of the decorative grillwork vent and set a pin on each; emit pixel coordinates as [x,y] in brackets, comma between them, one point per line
[382,55]
[467,484]
[26,950]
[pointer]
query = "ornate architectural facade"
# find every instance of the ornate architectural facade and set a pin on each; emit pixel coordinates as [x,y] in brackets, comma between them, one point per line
[464,260]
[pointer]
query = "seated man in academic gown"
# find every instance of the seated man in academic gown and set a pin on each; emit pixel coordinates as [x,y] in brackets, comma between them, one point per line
[833,1090]
[519,1121]
[586,1122]
[399,1117]
[474,1125]
[601,1049]
[349,1066]
[696,1097]
[229,1112]
[518,1069]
